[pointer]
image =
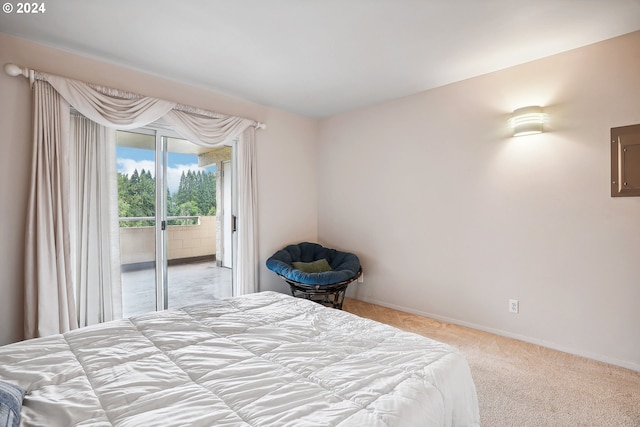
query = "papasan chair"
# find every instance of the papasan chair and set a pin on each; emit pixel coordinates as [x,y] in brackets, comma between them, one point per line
[316,273]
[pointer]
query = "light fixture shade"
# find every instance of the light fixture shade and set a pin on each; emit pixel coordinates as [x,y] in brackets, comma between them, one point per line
[527,120]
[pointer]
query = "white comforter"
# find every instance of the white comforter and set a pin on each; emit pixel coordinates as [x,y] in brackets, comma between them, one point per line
[264,359]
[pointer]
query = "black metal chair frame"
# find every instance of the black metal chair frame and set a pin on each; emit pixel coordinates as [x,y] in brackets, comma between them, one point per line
[322,293]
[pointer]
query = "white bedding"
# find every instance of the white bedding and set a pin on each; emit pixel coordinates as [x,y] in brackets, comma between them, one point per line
[264,359]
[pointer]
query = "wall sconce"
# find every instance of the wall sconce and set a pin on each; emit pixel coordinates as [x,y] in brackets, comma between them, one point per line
[527,120]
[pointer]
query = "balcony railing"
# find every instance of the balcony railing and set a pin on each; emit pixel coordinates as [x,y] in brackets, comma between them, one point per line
[170,220]
[137,243]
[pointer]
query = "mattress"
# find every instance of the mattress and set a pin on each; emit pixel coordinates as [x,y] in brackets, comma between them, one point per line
[264,359]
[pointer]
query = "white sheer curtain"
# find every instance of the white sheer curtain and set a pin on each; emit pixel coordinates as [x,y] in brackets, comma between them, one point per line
[246,271]
[94,222]
[120,110]
[49,302]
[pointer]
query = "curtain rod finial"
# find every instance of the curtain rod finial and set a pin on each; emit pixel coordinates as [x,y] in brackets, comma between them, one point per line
[13,70]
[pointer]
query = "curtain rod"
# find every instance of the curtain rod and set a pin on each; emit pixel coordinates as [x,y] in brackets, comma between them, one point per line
[15,70]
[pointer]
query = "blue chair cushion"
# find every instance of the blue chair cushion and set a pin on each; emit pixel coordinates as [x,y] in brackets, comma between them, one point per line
[344,265]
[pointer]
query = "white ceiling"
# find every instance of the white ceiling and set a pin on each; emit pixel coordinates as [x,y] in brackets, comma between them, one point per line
[322,57]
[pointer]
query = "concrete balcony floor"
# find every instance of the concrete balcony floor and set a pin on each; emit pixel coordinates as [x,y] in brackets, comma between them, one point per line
[189,283]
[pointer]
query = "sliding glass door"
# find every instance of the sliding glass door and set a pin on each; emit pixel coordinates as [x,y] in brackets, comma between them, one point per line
[136,157]
[172,237]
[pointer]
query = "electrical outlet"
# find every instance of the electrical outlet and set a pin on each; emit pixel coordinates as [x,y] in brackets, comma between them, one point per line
[514,307]
[361,278]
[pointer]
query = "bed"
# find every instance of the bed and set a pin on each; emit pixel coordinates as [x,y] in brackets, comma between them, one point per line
[264,359]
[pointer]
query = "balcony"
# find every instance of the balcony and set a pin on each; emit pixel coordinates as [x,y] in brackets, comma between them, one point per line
[194,275]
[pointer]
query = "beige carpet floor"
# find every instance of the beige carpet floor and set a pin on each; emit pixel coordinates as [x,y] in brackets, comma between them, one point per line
[521,384]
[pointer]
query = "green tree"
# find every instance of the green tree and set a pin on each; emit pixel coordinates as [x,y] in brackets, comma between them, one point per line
[198,187]
[136,197]
[196,196]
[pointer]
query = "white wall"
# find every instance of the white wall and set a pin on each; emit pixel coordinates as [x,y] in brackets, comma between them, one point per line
[15,161]
[452,217]
[286,189]
[285,152]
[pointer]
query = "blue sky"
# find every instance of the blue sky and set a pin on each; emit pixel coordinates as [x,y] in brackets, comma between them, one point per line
[130,159]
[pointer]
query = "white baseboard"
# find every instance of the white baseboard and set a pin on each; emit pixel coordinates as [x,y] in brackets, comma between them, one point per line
[555,346]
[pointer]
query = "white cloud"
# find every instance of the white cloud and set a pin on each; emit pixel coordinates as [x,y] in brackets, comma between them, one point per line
[127,166]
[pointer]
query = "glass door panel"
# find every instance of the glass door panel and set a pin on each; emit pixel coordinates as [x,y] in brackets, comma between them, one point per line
[136,169]
[193,237]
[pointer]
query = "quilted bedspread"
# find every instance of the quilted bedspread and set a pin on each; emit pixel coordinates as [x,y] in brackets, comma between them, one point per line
[264,359]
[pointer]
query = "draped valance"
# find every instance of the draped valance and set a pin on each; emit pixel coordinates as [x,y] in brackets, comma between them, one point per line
[126,110]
